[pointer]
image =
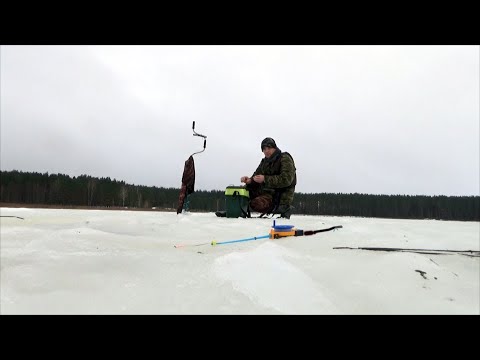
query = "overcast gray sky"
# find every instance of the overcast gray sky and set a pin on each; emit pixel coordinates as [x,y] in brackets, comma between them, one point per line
[366,119]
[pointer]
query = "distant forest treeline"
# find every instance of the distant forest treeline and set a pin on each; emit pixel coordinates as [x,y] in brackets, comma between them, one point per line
[84,190]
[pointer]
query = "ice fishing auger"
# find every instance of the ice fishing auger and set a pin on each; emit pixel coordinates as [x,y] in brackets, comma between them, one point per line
[188,177]
[204,139]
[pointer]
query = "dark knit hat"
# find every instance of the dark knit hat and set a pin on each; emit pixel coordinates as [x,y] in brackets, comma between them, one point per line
[268,142]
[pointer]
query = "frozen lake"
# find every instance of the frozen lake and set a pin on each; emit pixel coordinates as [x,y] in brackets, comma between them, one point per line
[124,262]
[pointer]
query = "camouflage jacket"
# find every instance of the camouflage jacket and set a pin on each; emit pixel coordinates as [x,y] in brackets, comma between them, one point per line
[280,176]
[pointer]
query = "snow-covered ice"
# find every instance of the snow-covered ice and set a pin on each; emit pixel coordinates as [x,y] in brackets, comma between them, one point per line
[124,262]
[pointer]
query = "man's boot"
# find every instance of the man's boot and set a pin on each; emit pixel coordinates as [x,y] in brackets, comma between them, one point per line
[284,210]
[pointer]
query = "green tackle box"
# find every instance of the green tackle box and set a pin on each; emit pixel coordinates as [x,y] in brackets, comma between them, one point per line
[236,200]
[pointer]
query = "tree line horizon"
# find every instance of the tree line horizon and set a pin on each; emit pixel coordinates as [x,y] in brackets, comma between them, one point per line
[62,190]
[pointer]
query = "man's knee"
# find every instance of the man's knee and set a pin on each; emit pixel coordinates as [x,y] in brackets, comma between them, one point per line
[261,204]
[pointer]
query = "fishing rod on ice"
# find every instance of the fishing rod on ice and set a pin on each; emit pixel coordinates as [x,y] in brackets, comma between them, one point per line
[472,253]
[276,232]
